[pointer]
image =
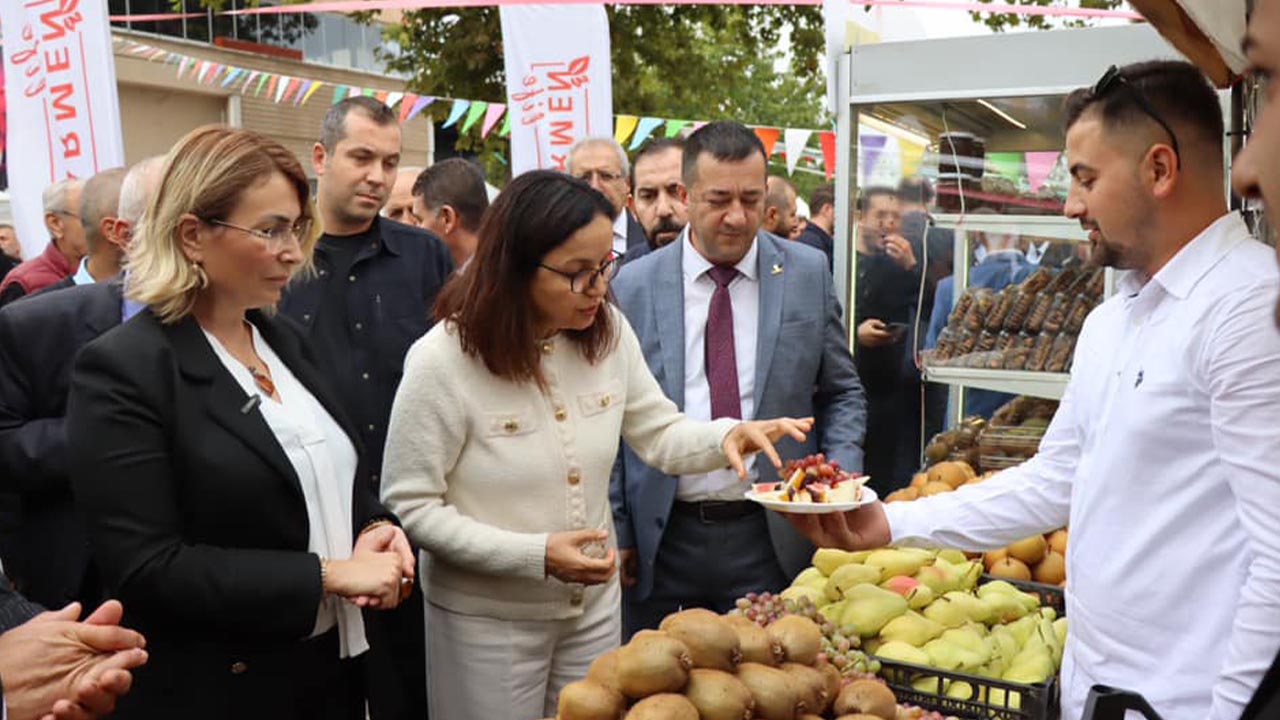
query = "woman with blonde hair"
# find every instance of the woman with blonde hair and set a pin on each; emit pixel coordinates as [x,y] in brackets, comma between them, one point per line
[226,501]
[502,437]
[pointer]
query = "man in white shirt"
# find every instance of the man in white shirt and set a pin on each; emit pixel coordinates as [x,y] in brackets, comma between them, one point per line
[602,163]
[1163,455]
[734,322]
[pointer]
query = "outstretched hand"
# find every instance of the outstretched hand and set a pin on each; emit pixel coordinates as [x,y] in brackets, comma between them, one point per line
[863,528]
[758,436]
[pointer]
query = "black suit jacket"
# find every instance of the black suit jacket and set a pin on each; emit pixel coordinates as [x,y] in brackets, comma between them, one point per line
[14,609]
[1265,704]
[48,552]
[197,518]
[635,231]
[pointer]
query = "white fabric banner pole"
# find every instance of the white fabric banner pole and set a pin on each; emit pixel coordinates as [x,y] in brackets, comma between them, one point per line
[63,110]
[559,81]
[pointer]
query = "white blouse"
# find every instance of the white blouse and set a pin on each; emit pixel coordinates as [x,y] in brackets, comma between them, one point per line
[324,460]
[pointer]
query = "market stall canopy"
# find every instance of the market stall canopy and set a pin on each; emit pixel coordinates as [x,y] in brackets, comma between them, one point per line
[1208,32]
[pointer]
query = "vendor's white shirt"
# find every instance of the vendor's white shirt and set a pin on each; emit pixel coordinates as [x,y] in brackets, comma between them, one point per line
[1165,458]
[324,460]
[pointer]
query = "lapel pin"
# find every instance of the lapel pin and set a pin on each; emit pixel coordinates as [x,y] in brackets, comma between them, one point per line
[776,270]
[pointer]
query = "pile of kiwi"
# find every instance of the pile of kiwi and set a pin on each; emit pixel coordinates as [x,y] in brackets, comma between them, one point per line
[702,666]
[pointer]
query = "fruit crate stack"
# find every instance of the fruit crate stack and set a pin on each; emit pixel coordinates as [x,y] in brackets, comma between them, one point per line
[942,638]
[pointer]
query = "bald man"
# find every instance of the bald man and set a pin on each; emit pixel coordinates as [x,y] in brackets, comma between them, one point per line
[399,205]
[780,207]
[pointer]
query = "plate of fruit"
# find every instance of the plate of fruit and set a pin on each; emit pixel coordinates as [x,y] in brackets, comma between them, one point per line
[813,485]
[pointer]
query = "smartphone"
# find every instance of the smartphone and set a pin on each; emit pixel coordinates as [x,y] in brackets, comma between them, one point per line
[897,330]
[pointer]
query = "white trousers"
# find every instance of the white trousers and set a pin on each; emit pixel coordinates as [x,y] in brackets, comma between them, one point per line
[484,668]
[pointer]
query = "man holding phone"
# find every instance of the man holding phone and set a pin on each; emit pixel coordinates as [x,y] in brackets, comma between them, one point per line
[888,281]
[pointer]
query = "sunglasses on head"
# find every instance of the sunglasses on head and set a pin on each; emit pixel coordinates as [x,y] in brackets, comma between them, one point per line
[1112,79]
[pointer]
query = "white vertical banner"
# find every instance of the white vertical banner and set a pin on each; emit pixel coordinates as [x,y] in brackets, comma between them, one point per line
[63,111]
[559,81]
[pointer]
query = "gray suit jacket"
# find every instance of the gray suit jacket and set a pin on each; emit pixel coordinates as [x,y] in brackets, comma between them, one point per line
[803,367]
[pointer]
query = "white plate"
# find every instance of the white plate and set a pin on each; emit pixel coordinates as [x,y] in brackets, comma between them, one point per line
[769,500]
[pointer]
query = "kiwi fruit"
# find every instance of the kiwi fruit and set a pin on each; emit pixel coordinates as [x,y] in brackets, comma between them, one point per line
[800,638]
[834,679]
[870,697]
[587,700]
[719,696]
[653,663]
[604,670]
[665,706]
[775,695]
[712,642]
[811,685]
[756,645]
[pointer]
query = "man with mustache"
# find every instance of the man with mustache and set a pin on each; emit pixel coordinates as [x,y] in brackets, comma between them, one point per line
[658,196]
[370,297]
[1162,456]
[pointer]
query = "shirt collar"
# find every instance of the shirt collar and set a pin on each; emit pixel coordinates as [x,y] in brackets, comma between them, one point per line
[82,276]
[694,265]
[1184,270]
[388,242]
[620,224]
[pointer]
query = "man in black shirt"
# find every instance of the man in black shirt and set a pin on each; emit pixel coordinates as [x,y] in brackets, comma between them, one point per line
[888,279]
[822,222]
[370,298]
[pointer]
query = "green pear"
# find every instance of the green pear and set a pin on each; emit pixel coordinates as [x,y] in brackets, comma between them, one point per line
[911,628]
[1033,665]
[871,645]
[948,655]
[938,577]
[1004,608]
[1022,630]
[997,587]
[998,698]
[826,560]
[947,612]
[894,562]
[968,637]
[1003,645]
[870,608]
[931,684]
[810,576]
[902,652]
[1050,639]
[952,556]
[969,606]
[846,577]
[1060,629]
[832,612]
[961,690]
[993,669]
[970,573]
[795,592]
[920,597]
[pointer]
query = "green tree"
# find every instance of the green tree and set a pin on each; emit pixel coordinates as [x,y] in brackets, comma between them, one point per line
[999,22]
[683,62]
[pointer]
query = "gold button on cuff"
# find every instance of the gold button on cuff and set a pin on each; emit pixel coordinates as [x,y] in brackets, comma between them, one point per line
[604,401]
[547,348]
[575,477]
[576,597]
[562,414]
[239,668]
[511,426]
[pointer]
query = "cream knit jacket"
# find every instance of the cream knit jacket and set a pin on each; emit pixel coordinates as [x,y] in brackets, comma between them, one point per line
[481,470]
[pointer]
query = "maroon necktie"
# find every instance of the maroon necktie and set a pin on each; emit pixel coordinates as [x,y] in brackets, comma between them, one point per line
[722,361]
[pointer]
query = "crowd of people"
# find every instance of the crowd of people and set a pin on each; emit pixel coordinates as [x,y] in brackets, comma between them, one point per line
[388,450]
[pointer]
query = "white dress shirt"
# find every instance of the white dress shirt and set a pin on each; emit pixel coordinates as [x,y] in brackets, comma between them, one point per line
[744,293]
[324,460]
[620,233]
[1165,460]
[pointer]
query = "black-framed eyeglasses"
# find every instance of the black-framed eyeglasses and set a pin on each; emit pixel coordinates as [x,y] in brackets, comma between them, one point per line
[1111,79]
[275,238]
[581,281]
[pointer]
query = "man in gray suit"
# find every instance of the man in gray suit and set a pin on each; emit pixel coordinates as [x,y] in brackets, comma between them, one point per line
[734,322]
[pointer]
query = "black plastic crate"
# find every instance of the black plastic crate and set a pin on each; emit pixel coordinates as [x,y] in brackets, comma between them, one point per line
[1034,702]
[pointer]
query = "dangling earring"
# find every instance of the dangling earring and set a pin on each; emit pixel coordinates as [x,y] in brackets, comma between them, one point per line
[201,278]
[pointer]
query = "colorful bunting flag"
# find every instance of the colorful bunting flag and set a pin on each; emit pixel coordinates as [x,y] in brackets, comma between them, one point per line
[675,126]
[506,126]
[339,93]
[768,136]
[393,98]
[311,91]
[407,105]
[643,130]
[459,109]
[624,125]
[794,142]
[1040,165]
[418,105]
[474,113]
[828,141]
[491,116]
